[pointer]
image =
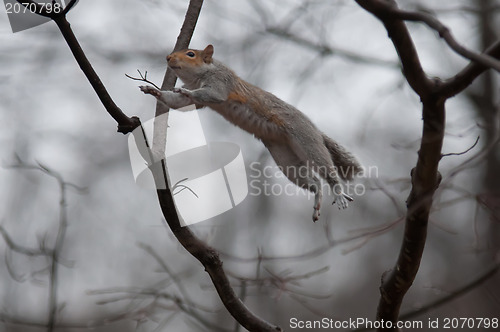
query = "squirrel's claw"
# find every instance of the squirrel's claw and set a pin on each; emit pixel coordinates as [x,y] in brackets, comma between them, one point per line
[341,200]
[150,90]
[316,214]
[316,208]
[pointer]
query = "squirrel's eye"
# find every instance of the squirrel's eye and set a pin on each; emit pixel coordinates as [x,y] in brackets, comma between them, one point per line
[190,54]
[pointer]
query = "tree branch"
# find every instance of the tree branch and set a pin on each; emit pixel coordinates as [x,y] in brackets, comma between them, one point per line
[425,177]
[453,295]
[463,152]
[54,253]
[69,6]
[446,299]
[209,257]
[21,249]
[205,254]
[125,124]
[169,80]
[389,9]
[400,36]
[466,76]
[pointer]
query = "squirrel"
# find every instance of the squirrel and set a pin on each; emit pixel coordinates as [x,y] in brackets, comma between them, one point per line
[301,151]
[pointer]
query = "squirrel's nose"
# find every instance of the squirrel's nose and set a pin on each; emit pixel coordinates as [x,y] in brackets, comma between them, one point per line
[169,57]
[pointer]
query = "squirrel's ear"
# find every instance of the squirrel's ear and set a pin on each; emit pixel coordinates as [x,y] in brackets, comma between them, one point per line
[207,54]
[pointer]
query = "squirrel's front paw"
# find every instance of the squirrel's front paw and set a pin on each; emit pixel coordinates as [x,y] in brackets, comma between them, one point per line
[150,90]
[182,91]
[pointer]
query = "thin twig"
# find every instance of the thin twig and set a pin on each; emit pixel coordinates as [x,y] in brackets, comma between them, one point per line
[21,249]
[454,294]
[183,187]
[461,153]
[143,78]
[54,253]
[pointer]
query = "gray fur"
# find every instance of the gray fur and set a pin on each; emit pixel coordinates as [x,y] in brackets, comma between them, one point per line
[292,139]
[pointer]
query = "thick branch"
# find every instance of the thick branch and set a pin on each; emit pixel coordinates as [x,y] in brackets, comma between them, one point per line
[69,6]
[169,80]
[183,40]
[425,180]
[388,9]
[466,76]
[400,36]
[213,265]
[207,256]
[125,124]
[425,176]
[445,33]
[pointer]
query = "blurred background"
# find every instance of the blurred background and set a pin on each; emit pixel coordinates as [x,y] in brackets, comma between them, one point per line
[66,181]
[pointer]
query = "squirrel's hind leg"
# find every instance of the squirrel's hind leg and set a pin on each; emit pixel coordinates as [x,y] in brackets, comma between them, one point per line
[297,172]
[310,182]
[321,162]
[317,202]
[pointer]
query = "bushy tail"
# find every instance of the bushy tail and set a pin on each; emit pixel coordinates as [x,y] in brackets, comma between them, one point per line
[346,163]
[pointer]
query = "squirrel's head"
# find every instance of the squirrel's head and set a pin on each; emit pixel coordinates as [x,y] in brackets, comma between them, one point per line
[188,63]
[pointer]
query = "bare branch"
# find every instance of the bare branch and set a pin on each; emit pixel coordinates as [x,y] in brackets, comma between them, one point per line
[213,265]
[463,152]
[183,187]
[143,78]
[465,77]
[425,177]
[53,267]
[165,267]
[453,295]
[446,34]
[125,124]
[206,255]
[362,235]
[69,6]
[134,293]
[20,249]
[400,36]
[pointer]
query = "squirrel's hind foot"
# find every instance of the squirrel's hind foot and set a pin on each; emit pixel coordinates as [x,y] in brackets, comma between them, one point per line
[317,206]
[316,214]
[342,200]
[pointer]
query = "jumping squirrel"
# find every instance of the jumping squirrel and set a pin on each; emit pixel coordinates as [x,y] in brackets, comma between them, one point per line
[302,152]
